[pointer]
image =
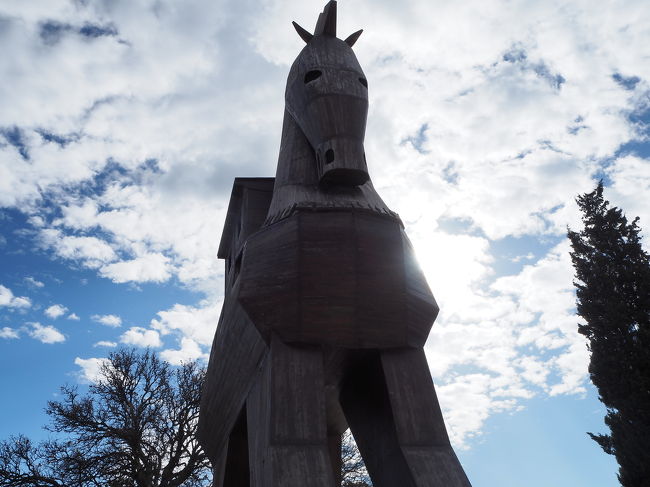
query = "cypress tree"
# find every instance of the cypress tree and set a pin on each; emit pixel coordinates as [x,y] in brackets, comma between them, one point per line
[612,280]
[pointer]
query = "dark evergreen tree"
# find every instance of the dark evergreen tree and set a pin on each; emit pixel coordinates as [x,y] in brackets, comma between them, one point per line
[613,297]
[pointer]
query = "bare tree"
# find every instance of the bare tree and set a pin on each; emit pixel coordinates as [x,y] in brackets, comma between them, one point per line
[134,428]
[353,470]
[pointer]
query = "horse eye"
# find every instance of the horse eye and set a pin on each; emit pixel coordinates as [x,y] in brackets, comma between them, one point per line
[363,82]
[312,75]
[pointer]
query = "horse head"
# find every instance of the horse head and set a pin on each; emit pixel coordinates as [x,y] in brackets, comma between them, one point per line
[327,97]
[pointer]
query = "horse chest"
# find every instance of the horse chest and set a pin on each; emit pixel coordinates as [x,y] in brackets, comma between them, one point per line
[340,278]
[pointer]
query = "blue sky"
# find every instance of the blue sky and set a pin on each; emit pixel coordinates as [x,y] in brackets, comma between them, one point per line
[123,124]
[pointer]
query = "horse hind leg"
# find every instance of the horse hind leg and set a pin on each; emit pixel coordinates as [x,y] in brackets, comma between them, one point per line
[391,407]
[232,469]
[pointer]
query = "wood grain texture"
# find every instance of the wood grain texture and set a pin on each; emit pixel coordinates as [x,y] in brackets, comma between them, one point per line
[287,420]
[339,278]
[236,355]
[418,421]
[326,310]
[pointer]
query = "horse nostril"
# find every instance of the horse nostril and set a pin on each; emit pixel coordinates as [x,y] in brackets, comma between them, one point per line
[364,82]
[329,156]
[312,75]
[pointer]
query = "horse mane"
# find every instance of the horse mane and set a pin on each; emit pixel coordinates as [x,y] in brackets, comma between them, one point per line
[326,26]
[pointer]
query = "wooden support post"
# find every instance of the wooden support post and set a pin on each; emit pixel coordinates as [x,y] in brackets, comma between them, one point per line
[418,420]
[287,422]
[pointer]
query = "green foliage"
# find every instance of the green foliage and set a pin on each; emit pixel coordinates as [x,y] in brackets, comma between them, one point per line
[613,297]
[135,428]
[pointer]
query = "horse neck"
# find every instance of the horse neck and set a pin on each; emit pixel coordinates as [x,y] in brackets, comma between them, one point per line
[297,161]
[296,165]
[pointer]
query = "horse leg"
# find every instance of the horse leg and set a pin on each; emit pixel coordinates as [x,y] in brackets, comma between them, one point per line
[287,424]
[391,407]
[231,469]
[365,403]
[334,443]
[418,420]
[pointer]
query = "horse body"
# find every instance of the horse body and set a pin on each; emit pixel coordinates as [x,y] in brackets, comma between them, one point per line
[326,310]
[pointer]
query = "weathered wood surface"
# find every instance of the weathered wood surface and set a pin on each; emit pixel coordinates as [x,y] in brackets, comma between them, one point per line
[297,181]
[287,412]
[340,278]
[238,349]
[326,310]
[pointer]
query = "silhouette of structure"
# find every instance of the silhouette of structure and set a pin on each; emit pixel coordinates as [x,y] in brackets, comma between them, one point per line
[326,310]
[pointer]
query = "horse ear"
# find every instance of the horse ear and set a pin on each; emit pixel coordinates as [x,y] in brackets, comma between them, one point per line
[303,33]
[352,38]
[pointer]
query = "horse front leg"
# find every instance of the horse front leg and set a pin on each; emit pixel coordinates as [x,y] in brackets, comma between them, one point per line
[419,423]
[287,423]
[392,409]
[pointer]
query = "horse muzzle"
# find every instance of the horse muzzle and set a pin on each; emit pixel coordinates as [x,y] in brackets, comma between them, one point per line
[341,161]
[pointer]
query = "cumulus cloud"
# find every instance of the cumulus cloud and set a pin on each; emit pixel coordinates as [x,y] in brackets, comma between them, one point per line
[91,251]
[630,177]
[189,350]
[45,333]
[105,343]
[55,311]
[522,333]
[113,321]
[473,143]
[73,317]
[8,333]
[195,322]
[141,337]
[8,299]
[148,268]
[90,368]
[464,423]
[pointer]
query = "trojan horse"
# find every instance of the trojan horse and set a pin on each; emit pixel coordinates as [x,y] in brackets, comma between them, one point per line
[326,311]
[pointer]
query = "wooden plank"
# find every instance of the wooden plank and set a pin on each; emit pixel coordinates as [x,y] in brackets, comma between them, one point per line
[236,354]
[366,405]
[297,398]
[419,424]
[287,420]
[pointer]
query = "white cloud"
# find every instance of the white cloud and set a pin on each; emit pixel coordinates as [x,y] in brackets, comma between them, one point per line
[91,251]
[8,299]
[519,258]
[33,282]
[506,332]
[473,392]
[108,320]
[141,337]
[190,350]
[630,178]
[55,311]
[500,131]
[90,368]
[8,333]
[147,268]
[73,316]
[104,343]
[455,265]
[197,323]
[20,302]
[45,333]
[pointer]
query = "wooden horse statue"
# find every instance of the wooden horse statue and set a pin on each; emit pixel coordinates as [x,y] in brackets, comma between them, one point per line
[326,311]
